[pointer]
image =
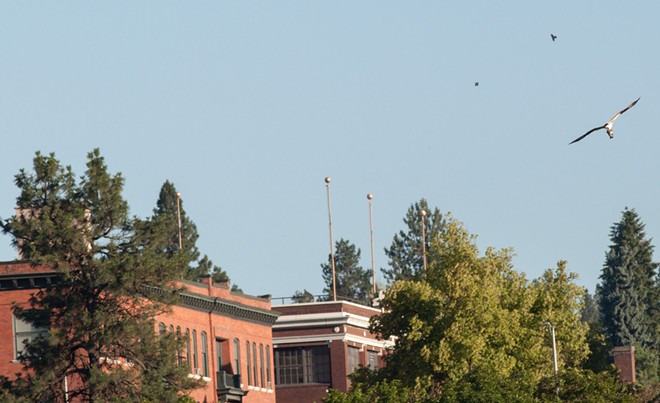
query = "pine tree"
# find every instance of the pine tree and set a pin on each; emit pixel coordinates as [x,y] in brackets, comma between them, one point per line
[627,283]
[405,254]
[627,294]
[113,280]
[168,209]
[353,282]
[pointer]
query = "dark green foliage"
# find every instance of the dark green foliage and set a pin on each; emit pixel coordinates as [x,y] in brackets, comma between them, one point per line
[168,209]
[579,385]
[353,283]
[628,293]
[302,297]
[589,312]
[380,392]
[114,278]
[405,253]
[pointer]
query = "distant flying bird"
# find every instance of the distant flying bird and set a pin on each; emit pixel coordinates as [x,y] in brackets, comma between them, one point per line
[476,83]
[553,37]
[607,126]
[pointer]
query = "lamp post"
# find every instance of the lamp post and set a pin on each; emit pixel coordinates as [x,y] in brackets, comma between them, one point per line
[554,353]
[371,231]
[178,210]
[424,241]
[332,248]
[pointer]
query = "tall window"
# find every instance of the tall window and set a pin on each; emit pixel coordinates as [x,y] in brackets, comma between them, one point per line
[205,355]
[296,365]
[269,385]
[188,357]
[353,359]
[237,357]
[249,363]
[218,354]
[25,332]
[373,359]
[194,351]
[179,352]
[161,329]
[254,363]
[261,365]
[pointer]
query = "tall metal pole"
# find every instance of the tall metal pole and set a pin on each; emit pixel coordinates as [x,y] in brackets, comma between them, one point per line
[424,241]
[371,231]
[178,209]
[332,247]
[554,354]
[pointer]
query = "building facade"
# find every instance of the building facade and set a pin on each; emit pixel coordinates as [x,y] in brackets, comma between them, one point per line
[228,334]
[318,344]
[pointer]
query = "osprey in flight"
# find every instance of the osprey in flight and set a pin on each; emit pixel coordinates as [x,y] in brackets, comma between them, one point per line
[607,126]
[553,36]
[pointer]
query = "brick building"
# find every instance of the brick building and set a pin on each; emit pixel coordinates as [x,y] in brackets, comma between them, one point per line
[317,345]
[229,334]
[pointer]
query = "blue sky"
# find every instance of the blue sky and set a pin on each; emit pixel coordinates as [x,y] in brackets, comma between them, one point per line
[247,105]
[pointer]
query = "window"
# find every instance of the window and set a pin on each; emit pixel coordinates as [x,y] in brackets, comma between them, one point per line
[254,363]
[161,329]
[353,359]
[25,332]
[237,357]
[218,355]
[205,355]
[188,346]
[179,352]
[249,363]
[297,365]
[269,384]
[172,329]
[194,352]
[261,365]
[373,359]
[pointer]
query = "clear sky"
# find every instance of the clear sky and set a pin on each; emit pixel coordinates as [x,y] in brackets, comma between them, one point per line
[247,105]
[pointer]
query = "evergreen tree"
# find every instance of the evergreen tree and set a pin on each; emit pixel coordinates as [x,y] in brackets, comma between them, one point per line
[627,293]
[405,254]
[168,209]
[352,281]
[113,280]
[589,312]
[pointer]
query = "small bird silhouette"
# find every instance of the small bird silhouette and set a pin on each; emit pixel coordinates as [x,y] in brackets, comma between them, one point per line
[553,37]
[476,83]
[607,126]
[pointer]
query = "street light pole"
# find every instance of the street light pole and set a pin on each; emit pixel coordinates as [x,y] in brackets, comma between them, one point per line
[424,241]
[554,353]
[332,248]
[178,211]
[371,230]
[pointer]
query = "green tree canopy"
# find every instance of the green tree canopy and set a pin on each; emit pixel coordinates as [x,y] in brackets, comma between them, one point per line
[472,328]
[405,254]
[353,282]
[113,280]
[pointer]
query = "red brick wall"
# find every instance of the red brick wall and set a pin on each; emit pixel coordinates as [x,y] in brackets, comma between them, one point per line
[302,393]
[9,368]
[215,326]
[226,328]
